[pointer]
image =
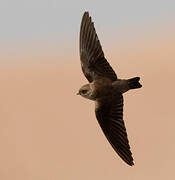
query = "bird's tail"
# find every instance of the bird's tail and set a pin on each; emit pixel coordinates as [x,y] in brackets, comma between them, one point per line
[134,83]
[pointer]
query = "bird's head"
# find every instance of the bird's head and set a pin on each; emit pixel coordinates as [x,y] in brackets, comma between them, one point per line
[85,91]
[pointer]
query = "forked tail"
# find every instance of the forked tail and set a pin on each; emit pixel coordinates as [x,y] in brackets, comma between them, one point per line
[134,83]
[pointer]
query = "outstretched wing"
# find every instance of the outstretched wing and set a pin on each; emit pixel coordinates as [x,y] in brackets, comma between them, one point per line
[93,63]
[110,118]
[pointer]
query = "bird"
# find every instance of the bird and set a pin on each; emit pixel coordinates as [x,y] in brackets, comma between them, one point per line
[105,88]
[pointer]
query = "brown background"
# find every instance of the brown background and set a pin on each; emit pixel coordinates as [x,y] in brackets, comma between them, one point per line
[49,133]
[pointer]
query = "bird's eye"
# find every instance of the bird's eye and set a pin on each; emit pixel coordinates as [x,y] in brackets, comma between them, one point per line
[84,91]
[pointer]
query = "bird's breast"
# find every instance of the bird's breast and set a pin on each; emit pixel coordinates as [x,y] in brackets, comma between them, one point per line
[102,87]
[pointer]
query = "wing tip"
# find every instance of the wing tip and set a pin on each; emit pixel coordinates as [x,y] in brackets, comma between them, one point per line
[85,18]
[130,163]
[127,159]
[86,14]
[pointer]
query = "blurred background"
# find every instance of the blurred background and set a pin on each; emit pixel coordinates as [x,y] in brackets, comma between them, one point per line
[49,133]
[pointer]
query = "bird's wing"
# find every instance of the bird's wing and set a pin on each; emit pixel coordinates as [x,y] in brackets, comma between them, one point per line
[93,63]
[110,118]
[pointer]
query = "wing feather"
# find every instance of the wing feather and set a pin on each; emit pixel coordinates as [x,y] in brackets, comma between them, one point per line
[93,63]
[110,117]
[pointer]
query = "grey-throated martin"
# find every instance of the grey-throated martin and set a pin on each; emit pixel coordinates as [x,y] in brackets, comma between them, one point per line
[105,89]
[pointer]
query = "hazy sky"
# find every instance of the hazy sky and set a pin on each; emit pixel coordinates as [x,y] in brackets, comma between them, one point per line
[29,24]
[49,133]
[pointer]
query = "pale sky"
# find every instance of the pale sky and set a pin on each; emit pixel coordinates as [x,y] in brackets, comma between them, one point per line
[49,21]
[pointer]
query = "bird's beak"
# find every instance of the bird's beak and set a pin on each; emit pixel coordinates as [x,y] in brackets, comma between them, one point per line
[78,93]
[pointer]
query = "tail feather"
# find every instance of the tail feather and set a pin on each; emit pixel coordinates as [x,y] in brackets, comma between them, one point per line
[134,83]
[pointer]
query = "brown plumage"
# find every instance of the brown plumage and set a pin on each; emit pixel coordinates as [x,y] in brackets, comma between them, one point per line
[105,89]
[93,62]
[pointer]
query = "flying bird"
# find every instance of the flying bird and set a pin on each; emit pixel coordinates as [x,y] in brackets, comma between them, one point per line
[105,88]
